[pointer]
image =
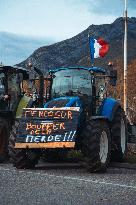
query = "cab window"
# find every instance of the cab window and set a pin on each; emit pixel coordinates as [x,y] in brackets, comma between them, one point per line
[14,90]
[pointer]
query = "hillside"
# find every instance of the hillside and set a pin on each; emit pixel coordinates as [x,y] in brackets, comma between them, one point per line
[16,48]
[75,51]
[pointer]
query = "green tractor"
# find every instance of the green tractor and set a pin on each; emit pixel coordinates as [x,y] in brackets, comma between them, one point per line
[11,83]
[75,113]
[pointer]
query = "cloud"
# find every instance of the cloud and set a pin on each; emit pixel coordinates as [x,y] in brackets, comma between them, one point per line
[112,7]
[106,6]
[59,19]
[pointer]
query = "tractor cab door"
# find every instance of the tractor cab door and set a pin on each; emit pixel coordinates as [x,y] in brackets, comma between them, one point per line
[14,90]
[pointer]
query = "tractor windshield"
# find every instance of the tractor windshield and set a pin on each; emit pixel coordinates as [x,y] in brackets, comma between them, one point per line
[71,82]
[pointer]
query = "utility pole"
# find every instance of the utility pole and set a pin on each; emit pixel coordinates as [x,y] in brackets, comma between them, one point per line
[125,60]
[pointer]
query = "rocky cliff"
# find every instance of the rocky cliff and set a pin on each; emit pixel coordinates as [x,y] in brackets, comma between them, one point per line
[75,51]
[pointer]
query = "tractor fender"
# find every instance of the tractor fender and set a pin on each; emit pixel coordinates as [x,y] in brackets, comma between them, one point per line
[108,108]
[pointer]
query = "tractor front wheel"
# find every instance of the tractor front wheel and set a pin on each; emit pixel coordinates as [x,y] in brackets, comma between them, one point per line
[4,135]
[96,145]
[21,158]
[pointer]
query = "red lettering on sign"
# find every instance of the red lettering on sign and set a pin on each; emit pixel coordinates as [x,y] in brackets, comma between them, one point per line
[41,114]
[28,111]
[33,112]
[38,126]
[46,128]
[57,114]
[55,127]
[62,126]
[50,114]
[63,114]
[69,115]
[37,132]
[28,126]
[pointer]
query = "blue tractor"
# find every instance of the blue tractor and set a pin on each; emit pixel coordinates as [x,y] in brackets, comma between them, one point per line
[73,113]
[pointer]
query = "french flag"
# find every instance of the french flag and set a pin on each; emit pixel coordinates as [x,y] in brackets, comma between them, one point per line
[98,48]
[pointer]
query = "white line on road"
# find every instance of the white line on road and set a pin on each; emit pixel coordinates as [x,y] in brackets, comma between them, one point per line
[73,178]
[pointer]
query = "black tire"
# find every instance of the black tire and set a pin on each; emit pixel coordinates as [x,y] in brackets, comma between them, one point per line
[55,155]
[21,158]
[4,136]
[118,148]
[91,138]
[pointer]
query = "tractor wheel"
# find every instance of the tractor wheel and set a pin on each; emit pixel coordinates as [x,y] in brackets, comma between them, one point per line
[96,145]
[21,158]
[55,155]
[118,136]
[4,135]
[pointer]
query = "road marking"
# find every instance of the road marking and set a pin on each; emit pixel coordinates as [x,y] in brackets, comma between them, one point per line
[72,178]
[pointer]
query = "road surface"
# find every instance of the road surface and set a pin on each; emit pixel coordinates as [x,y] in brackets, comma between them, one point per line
[66,185]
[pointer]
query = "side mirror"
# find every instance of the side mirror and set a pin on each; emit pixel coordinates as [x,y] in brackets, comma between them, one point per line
[113,77]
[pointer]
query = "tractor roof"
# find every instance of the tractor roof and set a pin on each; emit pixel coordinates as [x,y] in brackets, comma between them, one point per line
[93,69]
[12,68]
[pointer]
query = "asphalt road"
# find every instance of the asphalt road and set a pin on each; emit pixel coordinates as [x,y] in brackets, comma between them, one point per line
[60,185]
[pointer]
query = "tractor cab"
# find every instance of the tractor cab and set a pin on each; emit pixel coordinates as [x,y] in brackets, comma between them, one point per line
[11,82]
[71,82]
[77,87]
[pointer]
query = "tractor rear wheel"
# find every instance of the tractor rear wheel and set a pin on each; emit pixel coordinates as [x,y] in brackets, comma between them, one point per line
[96,145]
[4,135]
[118,136]
[21,158]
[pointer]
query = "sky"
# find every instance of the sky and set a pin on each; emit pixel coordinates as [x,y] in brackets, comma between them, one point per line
[58,19]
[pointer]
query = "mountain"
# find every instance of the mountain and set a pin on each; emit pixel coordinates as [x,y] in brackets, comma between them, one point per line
[16,48]
[75,51]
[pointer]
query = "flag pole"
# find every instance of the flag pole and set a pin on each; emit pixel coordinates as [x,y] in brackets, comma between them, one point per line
[91,52]
[125,60]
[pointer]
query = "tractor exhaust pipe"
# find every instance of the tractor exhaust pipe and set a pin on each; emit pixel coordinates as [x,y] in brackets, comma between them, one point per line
[41,80]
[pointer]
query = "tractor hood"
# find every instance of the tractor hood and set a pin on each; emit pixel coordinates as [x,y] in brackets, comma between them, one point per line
[64,102]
